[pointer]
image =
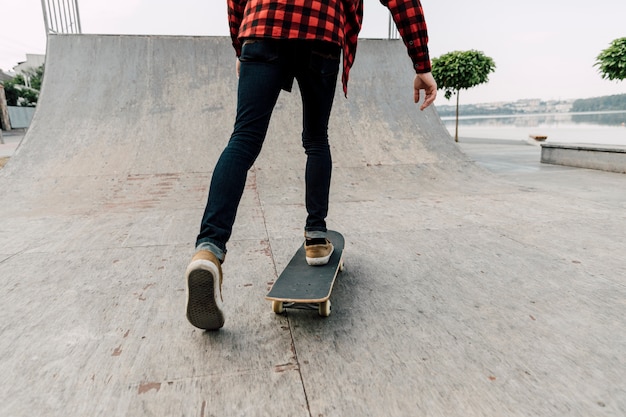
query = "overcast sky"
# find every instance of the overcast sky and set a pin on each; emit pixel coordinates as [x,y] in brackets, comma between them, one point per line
[542,48]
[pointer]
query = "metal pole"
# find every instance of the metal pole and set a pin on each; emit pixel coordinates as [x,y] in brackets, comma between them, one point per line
[45,16]
[392,33]
[61,16]
[51,15]
[80,29]
[53,9]
[57,14]
[68,25]
[70,14]
[70,11]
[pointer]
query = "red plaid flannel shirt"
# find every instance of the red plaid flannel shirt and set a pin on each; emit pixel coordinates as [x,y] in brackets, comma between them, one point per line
[336,21]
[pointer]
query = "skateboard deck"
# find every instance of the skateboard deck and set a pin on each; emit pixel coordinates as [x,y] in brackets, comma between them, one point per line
[301,285]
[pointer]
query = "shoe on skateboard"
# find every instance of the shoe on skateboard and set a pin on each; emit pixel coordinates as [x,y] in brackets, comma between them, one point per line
[301,284]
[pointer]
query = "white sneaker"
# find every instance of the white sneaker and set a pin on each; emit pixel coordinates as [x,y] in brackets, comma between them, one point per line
[204,291]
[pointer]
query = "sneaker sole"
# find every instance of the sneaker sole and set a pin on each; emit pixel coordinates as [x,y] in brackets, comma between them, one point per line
[203,290]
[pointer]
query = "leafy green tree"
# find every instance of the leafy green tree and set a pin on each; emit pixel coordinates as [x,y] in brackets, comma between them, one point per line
[37,78]
[19,94]
[460,70]
[612,60]
[12,91]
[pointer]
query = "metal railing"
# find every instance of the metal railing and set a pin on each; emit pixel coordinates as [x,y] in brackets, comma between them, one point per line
[61,16]
[392,33]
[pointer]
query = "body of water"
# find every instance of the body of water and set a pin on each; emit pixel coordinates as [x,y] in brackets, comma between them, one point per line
[602,128]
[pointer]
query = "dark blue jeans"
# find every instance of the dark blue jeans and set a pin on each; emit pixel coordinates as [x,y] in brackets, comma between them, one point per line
[267,66]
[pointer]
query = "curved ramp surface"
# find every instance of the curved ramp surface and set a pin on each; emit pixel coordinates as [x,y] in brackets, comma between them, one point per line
[463,295]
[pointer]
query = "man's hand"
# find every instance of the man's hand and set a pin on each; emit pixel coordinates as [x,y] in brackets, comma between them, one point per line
[425,82]
[238,67]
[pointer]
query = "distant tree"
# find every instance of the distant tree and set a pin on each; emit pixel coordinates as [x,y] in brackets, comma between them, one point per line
[460,70]
[12,90]
[612,60]
[604,103]
[19,92]
[36,78]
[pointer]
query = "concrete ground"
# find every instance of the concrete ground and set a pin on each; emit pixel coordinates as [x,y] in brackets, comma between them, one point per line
[519,162]
[478,282]
[10,141]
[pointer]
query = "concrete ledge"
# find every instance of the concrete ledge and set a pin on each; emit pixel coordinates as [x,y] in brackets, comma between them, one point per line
[604,158]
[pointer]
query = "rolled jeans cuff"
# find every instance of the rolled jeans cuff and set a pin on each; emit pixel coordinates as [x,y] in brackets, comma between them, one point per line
[315,234]
[213,248]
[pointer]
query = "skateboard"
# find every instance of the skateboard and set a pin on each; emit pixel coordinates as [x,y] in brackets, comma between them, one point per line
[301,285]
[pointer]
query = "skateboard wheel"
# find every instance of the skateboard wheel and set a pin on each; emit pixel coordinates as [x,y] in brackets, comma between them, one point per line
[341,267]
[324,309]
[278,307]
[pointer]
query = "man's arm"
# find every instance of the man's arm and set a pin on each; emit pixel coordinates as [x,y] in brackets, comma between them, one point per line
[409,19]
[235,16]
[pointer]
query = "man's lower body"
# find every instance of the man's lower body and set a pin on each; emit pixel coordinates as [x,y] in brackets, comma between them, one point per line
[267,66]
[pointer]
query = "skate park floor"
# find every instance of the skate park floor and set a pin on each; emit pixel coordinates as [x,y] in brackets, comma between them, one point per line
[477,282]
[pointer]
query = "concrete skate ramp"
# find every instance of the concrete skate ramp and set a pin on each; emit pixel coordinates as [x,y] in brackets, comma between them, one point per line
[463,295]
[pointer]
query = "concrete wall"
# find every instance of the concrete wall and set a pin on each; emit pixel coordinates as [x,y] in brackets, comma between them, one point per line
[21,116]
[611,159]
